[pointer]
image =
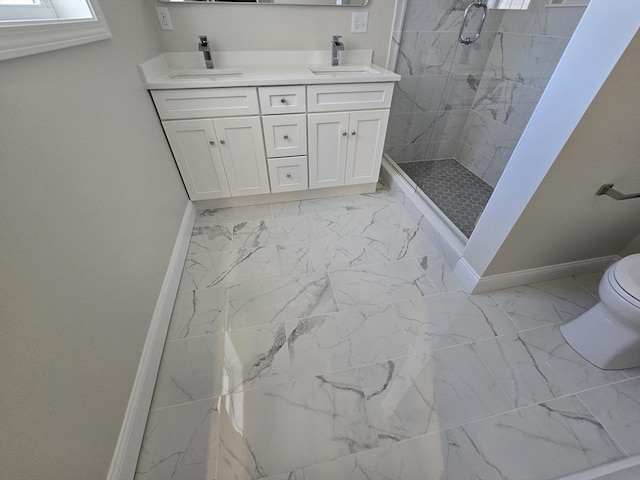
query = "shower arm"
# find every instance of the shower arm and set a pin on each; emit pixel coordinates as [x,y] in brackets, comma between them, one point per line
[469,40]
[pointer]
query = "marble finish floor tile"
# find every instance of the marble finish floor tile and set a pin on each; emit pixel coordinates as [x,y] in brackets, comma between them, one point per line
[538,365]
[190,369]
[296,350]
[617,407]
[258,233]
[590,282]
[229,267]
[308,207]
[440,273]
[328,254]
[217,216]
[255,357]
[544,303]
[294,258]
[198,312]
[350,222]
[389,245]
[180,443]
[380,283]
[279,299]
[261,431]
[539,442]
[450,319]
[213,238]
[344,340]
[436,456]
[369,200]
[321,255]
[426,393]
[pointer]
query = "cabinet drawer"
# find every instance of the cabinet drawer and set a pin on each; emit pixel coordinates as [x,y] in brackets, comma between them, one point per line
[285,135]
[206,102]
[359,96]
[288,174]
[275,100]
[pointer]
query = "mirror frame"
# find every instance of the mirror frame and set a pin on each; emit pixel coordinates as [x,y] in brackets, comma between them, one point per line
[327,3]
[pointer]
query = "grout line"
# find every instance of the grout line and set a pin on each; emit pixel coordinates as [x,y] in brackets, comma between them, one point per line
[495,379]
[615,441]
[211,399]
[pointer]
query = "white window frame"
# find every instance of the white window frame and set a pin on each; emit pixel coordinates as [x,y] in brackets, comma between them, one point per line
[28,38]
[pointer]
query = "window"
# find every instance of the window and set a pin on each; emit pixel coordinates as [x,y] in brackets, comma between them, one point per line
[35,26]
[509,4]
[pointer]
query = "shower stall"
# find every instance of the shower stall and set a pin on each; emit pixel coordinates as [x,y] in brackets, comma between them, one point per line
[465,99]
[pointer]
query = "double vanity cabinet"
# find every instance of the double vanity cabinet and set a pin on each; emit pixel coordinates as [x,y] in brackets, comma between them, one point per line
[254,136]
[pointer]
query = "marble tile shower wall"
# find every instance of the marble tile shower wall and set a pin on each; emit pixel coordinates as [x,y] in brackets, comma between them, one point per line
[472,102]
[428,113]
[524,54]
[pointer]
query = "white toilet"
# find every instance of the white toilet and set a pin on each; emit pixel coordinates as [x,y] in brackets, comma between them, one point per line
[608,335]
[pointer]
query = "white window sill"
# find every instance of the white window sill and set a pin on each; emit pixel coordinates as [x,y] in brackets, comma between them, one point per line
[22,40]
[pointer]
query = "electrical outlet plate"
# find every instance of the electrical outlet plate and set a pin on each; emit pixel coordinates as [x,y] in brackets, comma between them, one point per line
[359,21]
[164,18]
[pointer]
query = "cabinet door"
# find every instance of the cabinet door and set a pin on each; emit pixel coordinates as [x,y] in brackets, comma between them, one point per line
[195,148]
[367,130]
[328,138]
[242,150]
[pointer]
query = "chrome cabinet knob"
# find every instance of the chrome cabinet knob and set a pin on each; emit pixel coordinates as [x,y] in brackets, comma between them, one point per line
[344,134]
[282,100]
[286,137]
[211,142]
[222,142]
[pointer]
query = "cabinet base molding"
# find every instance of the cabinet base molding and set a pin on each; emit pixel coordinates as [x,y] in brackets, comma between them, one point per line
[285,196]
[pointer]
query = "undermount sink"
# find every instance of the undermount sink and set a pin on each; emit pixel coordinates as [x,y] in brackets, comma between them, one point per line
[343,71]
[205,75]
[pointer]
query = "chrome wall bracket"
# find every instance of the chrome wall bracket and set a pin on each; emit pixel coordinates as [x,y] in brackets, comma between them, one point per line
[608,190]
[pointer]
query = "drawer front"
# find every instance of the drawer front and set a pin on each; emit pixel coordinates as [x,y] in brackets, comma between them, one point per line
[275,100]
[206,102]
[358,96]
[288,174]
[285,135]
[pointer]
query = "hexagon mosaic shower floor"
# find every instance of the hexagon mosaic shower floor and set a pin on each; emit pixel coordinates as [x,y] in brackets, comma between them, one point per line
[456,191]
[328,339]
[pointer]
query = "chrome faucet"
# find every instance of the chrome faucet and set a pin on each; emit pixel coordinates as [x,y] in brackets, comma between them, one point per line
[203,46]
[337,47]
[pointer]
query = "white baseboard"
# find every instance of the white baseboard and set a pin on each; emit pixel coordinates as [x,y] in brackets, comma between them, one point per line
[125,456]
[475,284]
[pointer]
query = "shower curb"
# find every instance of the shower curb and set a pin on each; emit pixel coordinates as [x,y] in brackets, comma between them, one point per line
[423,211]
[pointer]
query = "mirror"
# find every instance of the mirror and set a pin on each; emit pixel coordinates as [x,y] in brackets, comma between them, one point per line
[335,3]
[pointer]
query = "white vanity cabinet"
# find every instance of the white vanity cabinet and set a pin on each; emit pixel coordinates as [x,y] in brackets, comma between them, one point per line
[240,141]
[194,145]
[346,147]
[217,157]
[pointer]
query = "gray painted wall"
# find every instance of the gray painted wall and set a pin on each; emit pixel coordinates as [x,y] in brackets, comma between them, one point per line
[276,27]
[90,205]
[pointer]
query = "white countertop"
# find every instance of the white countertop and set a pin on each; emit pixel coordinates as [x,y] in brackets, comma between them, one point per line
[260,68]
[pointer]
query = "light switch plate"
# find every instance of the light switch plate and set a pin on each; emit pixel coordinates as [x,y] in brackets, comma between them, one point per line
[164,18]
[359,22]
